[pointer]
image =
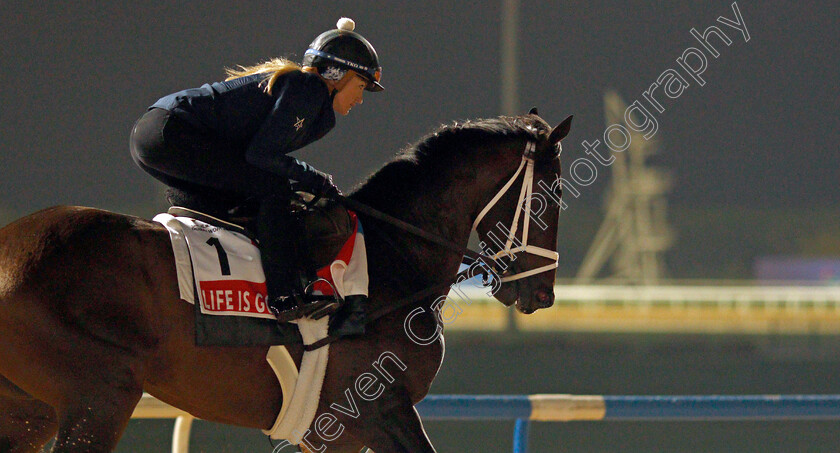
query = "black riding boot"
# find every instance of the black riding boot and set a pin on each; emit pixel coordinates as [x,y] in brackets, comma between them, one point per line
[350,319]
[277,233]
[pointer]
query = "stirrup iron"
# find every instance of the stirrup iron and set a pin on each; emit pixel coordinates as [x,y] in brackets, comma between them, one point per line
[326,305]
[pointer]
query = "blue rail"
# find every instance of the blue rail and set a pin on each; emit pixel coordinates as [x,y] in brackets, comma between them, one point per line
[524,408]
[750,407]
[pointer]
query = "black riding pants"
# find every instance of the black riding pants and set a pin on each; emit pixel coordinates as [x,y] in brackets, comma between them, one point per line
[208,175]
[197,162]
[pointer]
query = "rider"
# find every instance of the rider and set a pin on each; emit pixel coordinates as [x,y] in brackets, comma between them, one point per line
[226,144]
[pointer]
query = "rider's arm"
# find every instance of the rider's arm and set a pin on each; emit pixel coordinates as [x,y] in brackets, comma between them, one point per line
[292,123]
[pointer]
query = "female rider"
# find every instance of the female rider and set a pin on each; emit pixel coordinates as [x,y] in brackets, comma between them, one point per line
[226,144]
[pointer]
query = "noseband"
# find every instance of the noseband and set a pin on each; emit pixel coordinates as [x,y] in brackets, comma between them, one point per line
[524,196]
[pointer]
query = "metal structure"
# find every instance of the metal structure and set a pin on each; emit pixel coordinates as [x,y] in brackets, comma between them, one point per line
[634,232]
[563,408]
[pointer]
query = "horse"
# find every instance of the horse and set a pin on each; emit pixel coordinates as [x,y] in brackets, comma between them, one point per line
[90,314]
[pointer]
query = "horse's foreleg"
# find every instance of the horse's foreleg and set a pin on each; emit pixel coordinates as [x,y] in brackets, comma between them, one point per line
[393,426]
[25,424]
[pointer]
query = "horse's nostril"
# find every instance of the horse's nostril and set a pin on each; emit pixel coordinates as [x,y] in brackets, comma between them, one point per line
[543,297]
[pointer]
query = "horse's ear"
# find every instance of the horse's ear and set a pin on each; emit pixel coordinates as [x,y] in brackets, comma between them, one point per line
[533,111]
[561,131]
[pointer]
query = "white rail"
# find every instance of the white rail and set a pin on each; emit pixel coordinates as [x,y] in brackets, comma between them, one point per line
[786,295]
[151,407]
[724,308]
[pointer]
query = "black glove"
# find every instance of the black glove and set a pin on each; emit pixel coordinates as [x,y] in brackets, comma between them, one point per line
[327,189]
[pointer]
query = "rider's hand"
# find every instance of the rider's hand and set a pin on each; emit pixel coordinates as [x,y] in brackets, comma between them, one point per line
[328,189]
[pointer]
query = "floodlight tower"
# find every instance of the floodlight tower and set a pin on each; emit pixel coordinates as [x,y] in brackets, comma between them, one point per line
[635,233]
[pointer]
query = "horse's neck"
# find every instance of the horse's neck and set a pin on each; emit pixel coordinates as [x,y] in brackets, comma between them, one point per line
[416,261]
[447,213]
[444,207]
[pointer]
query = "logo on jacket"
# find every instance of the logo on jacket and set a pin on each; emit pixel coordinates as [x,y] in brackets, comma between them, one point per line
[299,123]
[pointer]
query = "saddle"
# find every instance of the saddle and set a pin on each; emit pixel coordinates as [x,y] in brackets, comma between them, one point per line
[328,235]
[326,225]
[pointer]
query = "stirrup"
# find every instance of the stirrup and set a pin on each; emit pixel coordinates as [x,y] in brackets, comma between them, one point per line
[307,304]
[321,305]
[289,314]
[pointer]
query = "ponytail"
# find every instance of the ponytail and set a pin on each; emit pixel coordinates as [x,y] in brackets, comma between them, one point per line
[273,68]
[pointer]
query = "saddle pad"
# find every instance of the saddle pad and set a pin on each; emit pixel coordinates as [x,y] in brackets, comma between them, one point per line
[243,280]
[225,268]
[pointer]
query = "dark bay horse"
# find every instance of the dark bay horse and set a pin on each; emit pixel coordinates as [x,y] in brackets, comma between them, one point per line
[90,315]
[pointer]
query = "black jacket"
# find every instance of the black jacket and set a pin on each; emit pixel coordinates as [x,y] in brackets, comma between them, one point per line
[263,127]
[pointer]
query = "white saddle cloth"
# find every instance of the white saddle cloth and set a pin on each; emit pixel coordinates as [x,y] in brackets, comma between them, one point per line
[225,268]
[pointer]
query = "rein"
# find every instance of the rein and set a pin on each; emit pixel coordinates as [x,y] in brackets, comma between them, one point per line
[525,194]
[379,215]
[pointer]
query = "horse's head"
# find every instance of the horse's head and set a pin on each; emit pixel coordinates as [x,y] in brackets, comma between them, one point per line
[518,223]
[497,176]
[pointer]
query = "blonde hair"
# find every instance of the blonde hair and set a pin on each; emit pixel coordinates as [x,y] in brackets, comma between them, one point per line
[273,68]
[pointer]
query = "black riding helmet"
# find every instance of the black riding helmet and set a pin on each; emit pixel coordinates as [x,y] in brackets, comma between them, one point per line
[346,49]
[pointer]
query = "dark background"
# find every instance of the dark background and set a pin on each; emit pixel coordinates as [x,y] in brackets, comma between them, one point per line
[753,152]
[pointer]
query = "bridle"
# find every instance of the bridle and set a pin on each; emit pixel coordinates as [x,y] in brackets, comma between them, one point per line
[525,195]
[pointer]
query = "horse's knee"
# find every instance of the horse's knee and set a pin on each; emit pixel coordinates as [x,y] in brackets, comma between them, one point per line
[392,425]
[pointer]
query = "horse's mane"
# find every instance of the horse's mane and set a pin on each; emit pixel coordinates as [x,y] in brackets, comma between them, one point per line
[449,146]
